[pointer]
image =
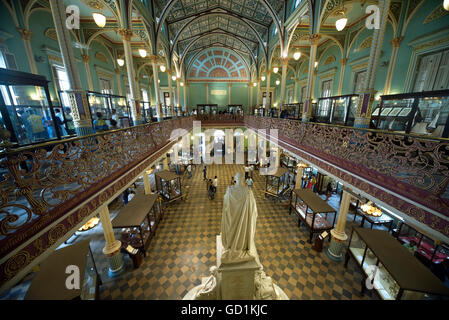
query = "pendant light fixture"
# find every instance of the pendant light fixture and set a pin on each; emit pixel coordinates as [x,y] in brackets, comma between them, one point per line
[340,24]
[263,78]
[99,19]
[446,5]
[121,62]
[278,82]
[163,68]
[275,69]
[143,53]
[297,55]
[173,78]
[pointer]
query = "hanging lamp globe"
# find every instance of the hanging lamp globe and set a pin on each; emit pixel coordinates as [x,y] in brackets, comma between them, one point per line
[297,55]
[340,24]
[446,5]
[163,68]
[143,53]
[263,78]
[99,19]
[275,69]
[121,62]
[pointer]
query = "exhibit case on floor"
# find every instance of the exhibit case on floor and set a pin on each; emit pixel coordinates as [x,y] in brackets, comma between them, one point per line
[313,211]
[168,185]
[50,281]
[389,268]
[235,109]
[276,184]
[419,113]
[139,220]
[293,110]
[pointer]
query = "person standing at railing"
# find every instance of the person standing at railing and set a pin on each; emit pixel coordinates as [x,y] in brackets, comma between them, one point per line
[100,123]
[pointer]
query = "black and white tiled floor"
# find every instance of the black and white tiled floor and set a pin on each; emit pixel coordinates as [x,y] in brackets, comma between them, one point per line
[183,249]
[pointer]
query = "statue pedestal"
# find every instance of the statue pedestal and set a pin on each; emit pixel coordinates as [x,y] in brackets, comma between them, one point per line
[237,279]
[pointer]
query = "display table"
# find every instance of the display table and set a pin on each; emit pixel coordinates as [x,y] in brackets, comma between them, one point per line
[168,185]
[398,274]
[50,282]
[372,220]
[312,211]
[139,219]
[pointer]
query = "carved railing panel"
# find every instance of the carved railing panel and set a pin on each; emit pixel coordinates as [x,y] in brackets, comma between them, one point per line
[42,183]
[220,118]
[417,168]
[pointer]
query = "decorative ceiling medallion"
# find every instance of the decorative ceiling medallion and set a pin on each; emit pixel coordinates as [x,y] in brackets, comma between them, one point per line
[94,4]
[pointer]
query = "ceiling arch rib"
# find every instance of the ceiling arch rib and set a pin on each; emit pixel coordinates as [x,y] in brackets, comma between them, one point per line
[211,34]
[264,11]
[222,20]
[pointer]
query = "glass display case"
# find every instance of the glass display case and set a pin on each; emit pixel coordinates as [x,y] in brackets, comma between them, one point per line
[339,110]
[138,221]
[292,111]
[420,113]
[235,109]
[276,184]
[122,111]
[168,184]
[389,268]
[259,111]
[26,110]
[148,112]
[313,211]
[207,108]
[99,103]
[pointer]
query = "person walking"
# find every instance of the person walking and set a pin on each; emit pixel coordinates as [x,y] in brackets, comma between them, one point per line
[328,190]
[215,183]
[204,172]
[251,171]
[313,183]
[246,172]
[189,170]
[249,182]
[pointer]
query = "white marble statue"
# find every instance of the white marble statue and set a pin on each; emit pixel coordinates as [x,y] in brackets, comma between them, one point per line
[238,225]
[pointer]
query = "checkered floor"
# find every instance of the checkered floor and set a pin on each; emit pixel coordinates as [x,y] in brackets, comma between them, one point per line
[183,249]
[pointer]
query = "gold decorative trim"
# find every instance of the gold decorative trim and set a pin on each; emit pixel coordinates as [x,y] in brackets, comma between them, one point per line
[100,56]
[51,34]
[365,44]
[436,14]
[329,60]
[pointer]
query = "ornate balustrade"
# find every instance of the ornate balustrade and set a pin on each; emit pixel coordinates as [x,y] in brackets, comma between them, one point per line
[220,119]
[413,167]
[42,184]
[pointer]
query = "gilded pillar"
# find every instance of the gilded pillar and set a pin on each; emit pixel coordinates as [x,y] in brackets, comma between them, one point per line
[86,59]
[153,60]
[338,233]
[135,105]
[314,40]
[267,99]
[342,75]
[283,83]
[77,96]
[296,90]
[119,81]
[112,247]
[366,99]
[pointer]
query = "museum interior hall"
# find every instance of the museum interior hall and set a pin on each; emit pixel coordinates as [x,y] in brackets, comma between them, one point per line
[224,150]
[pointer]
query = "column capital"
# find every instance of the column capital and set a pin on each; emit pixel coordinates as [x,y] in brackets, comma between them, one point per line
[296,79]
[137,79]
[125,33]
[168,71]
[154,58]
[314,39]
[344,61]
[285,61]
[396,42]
[230,84]
[85,58]
[25,34]
[269,72]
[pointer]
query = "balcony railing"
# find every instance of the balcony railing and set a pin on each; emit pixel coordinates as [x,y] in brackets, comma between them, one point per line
[42,183]
[414,167]
[221,119]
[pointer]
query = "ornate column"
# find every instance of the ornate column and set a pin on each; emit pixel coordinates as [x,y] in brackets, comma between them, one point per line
[283,83]
[299,174]
[186,107]
[250,98]
[342,75]
[396,43]
[165,163]
[229,93]
[26,38]
[366,99]
[267,99]
[146,181]
[119,82]
[138,93]
[259,94]
[135,105]
[334,252]
[170,87]
[153,60]
[178,93]
[86,59]
[77,96]
[296,90]
[314,40]
[207,93]
[112,247]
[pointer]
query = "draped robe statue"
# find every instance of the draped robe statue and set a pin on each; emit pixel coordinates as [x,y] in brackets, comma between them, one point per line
[238,225]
